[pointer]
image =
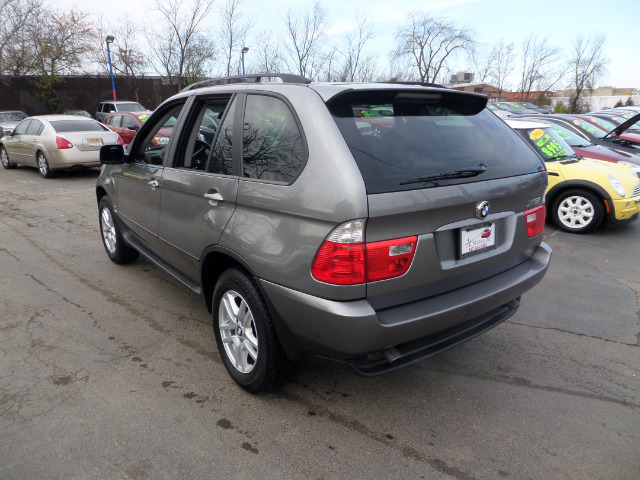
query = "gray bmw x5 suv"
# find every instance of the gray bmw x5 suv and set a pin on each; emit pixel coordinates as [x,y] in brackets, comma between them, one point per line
[372,225]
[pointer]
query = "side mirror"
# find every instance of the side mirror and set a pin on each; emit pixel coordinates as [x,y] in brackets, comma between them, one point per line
[111,154]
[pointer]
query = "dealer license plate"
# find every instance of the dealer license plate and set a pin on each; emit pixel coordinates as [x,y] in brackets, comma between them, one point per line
[94,142]
[477,239]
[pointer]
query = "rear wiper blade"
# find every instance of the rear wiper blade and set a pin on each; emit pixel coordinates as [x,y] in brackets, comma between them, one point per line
[464,173]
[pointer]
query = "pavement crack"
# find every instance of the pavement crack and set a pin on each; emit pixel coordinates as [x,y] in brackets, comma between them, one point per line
[523,382]
[539,327]
[355,426]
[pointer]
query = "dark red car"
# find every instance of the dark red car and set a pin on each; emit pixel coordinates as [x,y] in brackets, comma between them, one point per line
[127,124]
[611,125]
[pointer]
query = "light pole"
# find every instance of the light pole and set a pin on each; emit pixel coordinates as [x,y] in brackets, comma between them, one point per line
[110,39]
[244,50]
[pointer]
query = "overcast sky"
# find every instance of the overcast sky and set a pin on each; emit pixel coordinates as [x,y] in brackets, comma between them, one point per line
[560,21]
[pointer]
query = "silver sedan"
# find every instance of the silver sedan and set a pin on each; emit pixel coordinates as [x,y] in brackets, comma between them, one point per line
[53,142]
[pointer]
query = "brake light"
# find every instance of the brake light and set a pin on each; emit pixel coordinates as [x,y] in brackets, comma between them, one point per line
[63,143]
[340,264]
[535,219]
[345,259]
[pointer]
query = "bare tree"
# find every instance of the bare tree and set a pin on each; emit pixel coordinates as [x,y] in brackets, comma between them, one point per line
[181,50]
[493,66]
[307,38]
[587,66]
[127,58]
[356,63]
[234,34]
[16,54]
[540,67]
[267,56]
[429,42]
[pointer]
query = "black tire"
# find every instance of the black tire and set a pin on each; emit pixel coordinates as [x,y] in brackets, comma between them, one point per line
[43,165]
[118,251]
[577,211]
[250,350]
[4,159]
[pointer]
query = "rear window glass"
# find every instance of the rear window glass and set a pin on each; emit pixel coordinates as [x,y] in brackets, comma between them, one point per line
[130,107]
[429,139]
[66,126]
[12,116]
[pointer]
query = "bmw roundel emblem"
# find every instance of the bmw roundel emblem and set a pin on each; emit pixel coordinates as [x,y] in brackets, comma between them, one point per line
[482,210]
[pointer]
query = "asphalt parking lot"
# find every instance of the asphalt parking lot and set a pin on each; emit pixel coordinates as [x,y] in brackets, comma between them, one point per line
[111,372]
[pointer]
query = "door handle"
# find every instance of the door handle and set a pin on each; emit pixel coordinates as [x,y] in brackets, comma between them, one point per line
[154,184]
[214,197]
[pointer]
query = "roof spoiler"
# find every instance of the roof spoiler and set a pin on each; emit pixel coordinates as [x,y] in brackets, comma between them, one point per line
[249,78]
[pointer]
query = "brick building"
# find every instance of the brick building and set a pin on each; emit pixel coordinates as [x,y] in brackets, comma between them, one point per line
[494,93]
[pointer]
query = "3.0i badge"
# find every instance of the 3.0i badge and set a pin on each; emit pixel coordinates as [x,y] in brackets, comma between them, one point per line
[482,210]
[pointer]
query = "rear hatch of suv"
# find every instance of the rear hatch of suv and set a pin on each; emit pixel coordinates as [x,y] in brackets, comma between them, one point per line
[443,171]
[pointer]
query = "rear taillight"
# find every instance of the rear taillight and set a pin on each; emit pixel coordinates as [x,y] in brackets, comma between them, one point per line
[345,259]
[120,141]
[63,143]
[390,258]
[535,220]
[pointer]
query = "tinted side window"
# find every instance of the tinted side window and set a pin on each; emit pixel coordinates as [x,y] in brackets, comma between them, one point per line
[128,122]
[35,127]
[221,160]
[272,144]
[155,140]
[21,129]
[203,127]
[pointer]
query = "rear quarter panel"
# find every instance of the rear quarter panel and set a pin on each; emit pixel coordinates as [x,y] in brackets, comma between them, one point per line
[279,228]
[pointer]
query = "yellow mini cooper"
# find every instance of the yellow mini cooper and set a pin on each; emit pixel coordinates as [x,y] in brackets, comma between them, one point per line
[582,192]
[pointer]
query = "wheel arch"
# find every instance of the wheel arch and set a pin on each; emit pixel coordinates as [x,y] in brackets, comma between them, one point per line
[214,262]
[591,187]
[100,192]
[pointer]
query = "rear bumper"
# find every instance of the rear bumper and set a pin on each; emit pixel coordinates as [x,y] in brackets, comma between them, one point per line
[63,159]
[377,341]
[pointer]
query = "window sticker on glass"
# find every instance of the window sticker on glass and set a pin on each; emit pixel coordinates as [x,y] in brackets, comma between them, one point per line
[562,133]
[548,145]
[536,134]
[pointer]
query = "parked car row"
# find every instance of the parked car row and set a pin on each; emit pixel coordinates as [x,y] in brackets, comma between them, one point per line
[511,109]
[582,192]
[71,140]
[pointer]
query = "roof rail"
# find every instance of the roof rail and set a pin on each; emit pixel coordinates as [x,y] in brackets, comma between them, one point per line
[250,78]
